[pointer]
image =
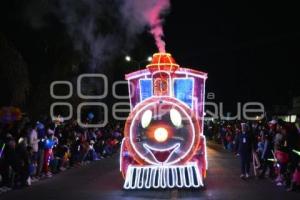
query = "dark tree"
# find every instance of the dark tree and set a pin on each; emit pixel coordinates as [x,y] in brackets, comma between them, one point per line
[14,83]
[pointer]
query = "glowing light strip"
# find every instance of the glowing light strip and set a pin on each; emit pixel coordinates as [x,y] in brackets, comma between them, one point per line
[190,74]
[150,149]
[182,71]
[205,156]
[156,64]
[203,111]
[203,106]
[167,96]
[163,64]
[157,54]
[129,90]
[136,75]
[2,149]
[169,58]
[178,159]
[192,71]
[159,177]
[121,154]
[296,152]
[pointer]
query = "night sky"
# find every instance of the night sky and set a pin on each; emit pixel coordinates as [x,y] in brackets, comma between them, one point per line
[250,50]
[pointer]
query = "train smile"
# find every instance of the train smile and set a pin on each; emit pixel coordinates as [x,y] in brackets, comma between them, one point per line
[161,155]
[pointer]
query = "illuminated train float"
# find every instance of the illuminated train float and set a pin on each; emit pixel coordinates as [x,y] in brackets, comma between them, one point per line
[164,145]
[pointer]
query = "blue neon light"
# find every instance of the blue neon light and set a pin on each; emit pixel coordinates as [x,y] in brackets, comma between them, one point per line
[183,90]
[146,88]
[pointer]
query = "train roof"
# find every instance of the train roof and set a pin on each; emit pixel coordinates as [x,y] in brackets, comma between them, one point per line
[181,70]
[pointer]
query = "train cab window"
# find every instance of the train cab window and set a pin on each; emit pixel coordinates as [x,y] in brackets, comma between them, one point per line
[183,90]
[161,84]
[145,88]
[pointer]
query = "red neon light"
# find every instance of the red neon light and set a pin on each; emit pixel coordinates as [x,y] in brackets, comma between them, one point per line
[162,61]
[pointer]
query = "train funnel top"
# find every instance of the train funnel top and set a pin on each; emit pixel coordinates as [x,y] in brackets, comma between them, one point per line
[162,62]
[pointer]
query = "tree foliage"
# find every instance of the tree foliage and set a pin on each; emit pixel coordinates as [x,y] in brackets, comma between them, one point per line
[14,83]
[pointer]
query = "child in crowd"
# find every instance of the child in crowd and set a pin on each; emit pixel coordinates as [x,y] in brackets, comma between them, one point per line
[49,143]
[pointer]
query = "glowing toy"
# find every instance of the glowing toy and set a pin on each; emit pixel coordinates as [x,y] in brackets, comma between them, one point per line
[296,152]
[2,150]
[164,145]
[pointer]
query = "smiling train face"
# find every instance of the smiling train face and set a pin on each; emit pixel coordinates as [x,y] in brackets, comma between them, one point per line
[162,131]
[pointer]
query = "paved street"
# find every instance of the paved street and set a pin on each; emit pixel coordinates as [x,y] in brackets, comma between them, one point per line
[102,180]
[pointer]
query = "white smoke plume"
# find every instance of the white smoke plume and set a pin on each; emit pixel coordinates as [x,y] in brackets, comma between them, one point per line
[100,28]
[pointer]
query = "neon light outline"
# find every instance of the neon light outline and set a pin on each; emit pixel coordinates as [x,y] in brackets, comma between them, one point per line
[141,88]
[178,159]
[193,80]
[145,176]
[174,147]
[163,180]
[169,80]
[121,154]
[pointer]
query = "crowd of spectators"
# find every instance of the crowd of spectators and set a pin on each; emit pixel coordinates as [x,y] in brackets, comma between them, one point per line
[31,151]
[274,148]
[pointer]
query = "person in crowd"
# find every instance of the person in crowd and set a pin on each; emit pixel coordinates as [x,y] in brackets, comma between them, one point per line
[229,138]
[282,156]
[223,136]
[278,138]
[91,154]
[245,150]
[23,160]
[9,160]
[75,151]
[33,143]
[40,155]
[295,182]
[49,144]
[236,139]
[266,155]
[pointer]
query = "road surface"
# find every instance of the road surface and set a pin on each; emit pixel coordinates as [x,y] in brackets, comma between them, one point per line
[102,180]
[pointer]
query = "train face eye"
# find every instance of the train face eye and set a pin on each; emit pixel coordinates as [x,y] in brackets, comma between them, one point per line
[146,118]
[161,134]
[175,117]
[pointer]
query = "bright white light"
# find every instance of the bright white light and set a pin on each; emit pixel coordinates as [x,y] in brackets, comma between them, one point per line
[149,59]
[174,176]
[175,117]
[21,140]
[161,134]
[128,58]
[146,118]
[121,155]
